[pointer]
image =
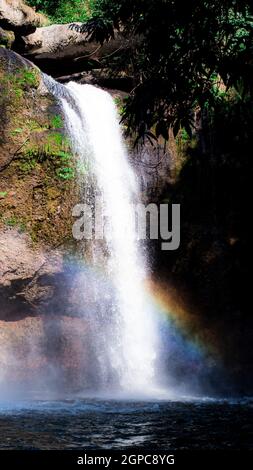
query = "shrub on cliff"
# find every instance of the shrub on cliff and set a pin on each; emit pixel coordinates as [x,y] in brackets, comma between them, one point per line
[64,11]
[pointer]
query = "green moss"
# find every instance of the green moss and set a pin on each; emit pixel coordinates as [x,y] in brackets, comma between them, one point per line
[120,105]
[15,84]
[22,227]
[51,149]
[53,193]
[34,233]
[29,77]
[27,166]
[56,139]
[35,126]
[11,222]
[56,122]
[19,130]
[65,173]
[6,38]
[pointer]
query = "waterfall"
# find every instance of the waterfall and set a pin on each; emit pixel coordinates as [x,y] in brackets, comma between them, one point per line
[93,126]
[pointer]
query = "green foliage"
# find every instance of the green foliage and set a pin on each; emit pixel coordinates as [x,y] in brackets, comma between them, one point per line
[120,105]
[64,11]
[11,222]
[28,163]
[65,156]
[185,136]
[28,78]
[16,131]
[22,80]
[22,227]
[56,150]
[54,143]
[53,152]
[14,221]
[45,5]
[56,122]
[3,194]
[65,173]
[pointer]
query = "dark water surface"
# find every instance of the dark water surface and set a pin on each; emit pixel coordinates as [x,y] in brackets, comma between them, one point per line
[97,424]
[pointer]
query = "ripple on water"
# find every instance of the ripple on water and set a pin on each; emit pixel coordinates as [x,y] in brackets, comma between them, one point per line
[94,424]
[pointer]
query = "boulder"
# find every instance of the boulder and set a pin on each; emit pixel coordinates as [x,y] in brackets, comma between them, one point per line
[16,16]
[55,39]
[61,40]
[60,50]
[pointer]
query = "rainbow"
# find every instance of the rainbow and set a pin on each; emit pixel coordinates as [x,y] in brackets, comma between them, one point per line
[182,328]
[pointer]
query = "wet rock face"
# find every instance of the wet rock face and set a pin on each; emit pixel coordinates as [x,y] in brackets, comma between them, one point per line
[27,275]
[43,353]
[37,169]
[36,280]
[15,15]
[37,190]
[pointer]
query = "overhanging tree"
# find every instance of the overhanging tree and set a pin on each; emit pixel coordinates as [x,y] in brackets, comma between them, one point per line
[186,48]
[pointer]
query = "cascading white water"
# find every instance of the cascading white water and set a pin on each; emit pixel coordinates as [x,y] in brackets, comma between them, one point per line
[94,129]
